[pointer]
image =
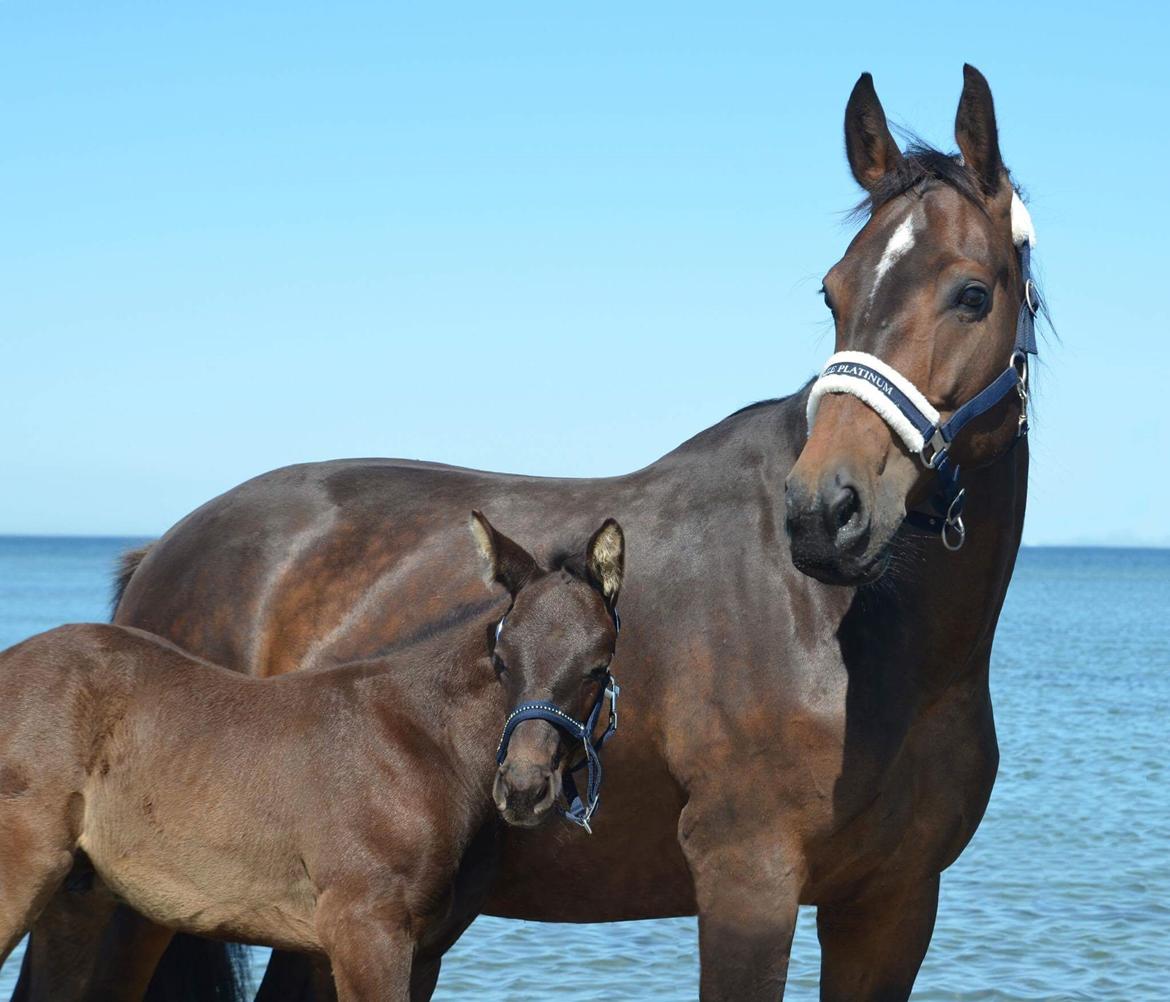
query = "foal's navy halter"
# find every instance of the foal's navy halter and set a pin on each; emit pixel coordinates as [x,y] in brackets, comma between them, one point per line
[916,421]
[580,809]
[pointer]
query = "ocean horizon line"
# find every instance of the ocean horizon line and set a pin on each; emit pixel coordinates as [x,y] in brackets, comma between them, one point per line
[139,537]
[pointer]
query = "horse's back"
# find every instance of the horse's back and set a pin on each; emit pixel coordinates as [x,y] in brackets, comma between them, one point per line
[280,572]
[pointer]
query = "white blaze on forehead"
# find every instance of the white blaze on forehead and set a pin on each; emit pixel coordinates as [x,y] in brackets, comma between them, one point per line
[901,240]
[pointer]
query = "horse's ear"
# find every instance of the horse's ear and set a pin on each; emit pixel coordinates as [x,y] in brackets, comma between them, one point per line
[508,562]
[605,559]
[976,133]
[869,146]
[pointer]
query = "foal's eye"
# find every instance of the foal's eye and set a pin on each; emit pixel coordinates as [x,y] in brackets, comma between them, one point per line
[824,294]
[974,297]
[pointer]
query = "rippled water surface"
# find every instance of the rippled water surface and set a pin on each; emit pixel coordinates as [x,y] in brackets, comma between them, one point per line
[1064,892]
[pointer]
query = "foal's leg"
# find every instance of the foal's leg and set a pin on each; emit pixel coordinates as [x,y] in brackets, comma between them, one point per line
[424,976]
[369,947]
[35,857]
[871,950]
[747,890]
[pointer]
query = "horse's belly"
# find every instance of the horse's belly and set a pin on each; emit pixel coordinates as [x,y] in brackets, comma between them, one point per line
[244,894]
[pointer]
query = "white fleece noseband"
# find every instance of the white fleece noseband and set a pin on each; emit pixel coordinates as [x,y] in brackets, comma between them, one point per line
[873,382]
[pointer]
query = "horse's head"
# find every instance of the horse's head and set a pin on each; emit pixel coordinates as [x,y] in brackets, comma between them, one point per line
[552,649]
[930,288]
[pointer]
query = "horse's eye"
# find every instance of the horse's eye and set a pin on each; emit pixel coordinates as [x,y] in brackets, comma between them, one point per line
[974,297]
[498,665]
[824,294]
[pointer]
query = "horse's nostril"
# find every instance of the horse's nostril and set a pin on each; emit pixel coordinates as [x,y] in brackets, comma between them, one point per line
[845,506]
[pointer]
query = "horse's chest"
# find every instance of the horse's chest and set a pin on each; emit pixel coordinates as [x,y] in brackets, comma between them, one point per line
[900,795]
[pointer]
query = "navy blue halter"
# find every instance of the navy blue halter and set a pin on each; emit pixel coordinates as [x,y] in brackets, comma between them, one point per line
[947,517]
[579,809]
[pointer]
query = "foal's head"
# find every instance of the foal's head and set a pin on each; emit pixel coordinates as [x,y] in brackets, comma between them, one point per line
[931,286]
[554,645]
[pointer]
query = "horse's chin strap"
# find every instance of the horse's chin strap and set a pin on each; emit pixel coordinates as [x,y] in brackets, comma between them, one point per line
[918,423]
[579,810]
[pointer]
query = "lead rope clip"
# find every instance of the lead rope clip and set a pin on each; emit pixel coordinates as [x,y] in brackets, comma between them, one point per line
[953,528]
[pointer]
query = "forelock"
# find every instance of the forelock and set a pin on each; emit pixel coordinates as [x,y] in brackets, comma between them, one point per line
[922,167]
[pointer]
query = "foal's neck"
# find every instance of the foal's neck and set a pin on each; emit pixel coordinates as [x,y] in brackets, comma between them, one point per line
[447,686]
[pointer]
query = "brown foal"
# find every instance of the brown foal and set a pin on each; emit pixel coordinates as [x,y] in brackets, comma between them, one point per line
[334,812]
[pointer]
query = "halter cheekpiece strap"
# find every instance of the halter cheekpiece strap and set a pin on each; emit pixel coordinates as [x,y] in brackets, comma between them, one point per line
[916,421]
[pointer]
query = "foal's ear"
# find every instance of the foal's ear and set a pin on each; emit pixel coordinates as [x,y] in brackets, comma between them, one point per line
[605,559]
[975,130]
[508,562]
[869,146]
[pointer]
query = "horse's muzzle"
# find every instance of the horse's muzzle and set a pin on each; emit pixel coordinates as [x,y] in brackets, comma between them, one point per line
[829,528]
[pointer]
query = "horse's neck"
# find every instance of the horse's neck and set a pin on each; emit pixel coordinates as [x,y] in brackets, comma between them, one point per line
[941,608]
[934,612]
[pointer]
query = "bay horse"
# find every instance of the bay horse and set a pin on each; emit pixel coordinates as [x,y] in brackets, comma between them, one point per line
[350,814]
[811,714]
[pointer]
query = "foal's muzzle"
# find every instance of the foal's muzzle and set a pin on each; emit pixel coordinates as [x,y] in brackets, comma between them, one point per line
[525,793]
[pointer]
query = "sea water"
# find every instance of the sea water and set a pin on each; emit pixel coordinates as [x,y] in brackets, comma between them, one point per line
[1064,893]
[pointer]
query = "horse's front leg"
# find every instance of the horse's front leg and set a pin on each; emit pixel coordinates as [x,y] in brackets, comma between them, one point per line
[130,952]
[747,887]
[871,949]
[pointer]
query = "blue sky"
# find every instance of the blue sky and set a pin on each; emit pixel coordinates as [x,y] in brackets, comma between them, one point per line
[238,236]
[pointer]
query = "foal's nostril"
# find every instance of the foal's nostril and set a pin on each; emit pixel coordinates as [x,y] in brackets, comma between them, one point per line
[550,795]
[500,791]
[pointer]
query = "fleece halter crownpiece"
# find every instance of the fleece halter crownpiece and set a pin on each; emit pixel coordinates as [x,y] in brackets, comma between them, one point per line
[580,809]
[916,421]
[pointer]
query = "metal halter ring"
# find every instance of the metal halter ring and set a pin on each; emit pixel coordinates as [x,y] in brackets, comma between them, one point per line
[953,523]
[1031,297]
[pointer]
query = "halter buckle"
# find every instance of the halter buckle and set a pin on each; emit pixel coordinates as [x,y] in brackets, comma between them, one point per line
[938,445]
[1019,362]
[613,690]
